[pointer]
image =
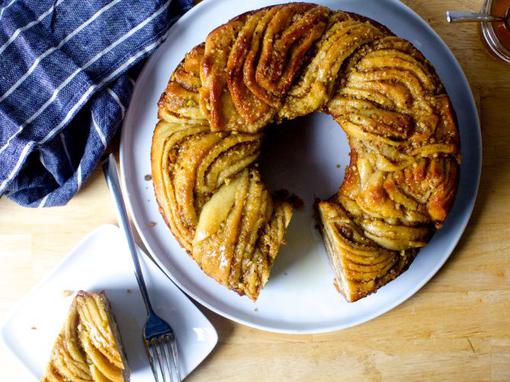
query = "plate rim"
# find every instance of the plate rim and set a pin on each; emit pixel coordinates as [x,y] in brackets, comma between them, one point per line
[331,328]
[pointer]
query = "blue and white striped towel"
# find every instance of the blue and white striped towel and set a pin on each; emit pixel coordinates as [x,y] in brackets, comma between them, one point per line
[67,70]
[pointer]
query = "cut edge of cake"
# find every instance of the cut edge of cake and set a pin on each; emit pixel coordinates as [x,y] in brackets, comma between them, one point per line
[350,282]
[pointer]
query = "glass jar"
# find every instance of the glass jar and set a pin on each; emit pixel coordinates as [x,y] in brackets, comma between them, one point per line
[492,37]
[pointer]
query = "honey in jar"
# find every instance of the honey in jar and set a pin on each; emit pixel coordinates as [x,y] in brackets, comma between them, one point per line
[495,34]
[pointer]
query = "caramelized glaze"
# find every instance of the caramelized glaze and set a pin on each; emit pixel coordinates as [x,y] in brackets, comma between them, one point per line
[283,62]
[88,347]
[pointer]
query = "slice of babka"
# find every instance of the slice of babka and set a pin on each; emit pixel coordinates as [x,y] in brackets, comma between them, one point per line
[88,348]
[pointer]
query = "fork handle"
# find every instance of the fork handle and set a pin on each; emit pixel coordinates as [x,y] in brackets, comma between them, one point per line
[112,179]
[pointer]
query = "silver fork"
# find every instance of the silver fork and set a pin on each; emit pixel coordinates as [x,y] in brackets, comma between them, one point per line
[159,338]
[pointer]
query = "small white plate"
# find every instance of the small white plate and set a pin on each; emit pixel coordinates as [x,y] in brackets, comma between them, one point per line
[102,262]
[307,157]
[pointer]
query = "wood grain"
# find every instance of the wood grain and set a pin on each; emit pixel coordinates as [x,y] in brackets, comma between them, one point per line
[457,328]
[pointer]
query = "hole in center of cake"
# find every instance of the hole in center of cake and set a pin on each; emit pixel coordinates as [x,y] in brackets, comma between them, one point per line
[306,156]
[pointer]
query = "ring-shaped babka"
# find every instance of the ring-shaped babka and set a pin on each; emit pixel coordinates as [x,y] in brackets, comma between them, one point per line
[279,63]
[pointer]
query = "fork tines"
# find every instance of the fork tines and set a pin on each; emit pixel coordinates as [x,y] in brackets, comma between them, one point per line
[163,357]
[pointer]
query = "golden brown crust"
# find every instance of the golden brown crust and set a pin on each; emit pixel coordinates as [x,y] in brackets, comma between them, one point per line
[279,63]
[361,266]
[181,100]
[88,347]
[239,234]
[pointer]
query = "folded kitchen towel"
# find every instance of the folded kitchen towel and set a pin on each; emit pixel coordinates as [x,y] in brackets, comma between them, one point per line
[67,70]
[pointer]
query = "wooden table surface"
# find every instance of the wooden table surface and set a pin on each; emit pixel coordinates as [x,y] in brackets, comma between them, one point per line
[457,328]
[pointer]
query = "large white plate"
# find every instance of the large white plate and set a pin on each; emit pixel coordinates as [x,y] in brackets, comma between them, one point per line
[300,296]
[102,262]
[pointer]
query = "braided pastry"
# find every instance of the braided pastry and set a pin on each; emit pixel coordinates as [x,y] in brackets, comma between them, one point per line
[279,63]
[88,347]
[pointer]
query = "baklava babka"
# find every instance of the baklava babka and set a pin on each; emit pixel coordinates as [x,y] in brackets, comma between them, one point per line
[283,62]
[88,348]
